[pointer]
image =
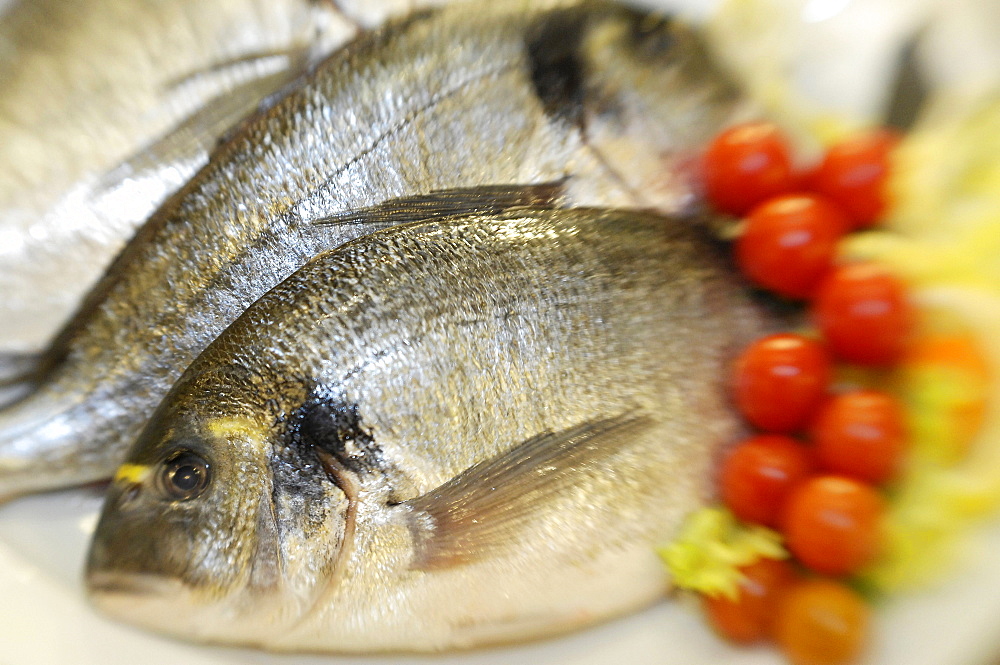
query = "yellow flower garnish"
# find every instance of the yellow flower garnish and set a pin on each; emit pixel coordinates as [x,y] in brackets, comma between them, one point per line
[943,236]
[711,548]
[927,518]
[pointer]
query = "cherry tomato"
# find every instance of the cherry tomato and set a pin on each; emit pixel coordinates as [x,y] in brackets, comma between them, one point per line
[746,164]
[854,174]
[833,524]
[821,622]
[861,434]
[758,475]
[780,380]
[750,617]
[789,243]
[864,314]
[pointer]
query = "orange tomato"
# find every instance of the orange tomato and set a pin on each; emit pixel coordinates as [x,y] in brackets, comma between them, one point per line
[861,434]
[789,242]
[957,370]
[854,173]
[745,165]
[821,622]
[750,616]
[779,381]
[864,313]
[758,474]
[833,524]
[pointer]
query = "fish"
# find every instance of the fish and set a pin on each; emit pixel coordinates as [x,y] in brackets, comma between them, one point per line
[463,107]
[107,108]
[447,434]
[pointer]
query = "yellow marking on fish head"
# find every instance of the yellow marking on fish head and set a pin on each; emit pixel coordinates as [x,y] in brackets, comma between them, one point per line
[226,427]
[238,430]
[132,473]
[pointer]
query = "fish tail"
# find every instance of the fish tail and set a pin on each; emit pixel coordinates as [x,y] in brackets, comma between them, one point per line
[41,446]
[19,373]
[18,367]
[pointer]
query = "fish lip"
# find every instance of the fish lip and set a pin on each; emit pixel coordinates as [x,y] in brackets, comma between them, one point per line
[116,584]
[154,602]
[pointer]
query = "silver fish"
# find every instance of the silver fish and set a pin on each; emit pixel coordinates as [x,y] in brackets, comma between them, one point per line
[107,107]
[443,435]
[588,102]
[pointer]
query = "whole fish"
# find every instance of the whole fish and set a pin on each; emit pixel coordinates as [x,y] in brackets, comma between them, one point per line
[584,103]
[446,434]
[109,106]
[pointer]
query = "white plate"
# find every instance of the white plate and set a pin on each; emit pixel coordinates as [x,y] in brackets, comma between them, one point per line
[45,618]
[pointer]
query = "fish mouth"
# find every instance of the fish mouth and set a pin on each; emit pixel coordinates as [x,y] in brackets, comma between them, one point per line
[105,584]
[151,600]
[170,607]
[154,602]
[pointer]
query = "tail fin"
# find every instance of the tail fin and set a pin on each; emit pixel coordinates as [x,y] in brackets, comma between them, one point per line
[19,373]
[18,367]
[45,443]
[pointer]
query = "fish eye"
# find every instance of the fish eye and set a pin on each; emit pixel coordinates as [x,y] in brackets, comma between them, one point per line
[184,476]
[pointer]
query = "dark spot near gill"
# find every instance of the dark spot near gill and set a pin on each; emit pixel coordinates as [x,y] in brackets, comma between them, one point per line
[554,45]
[333,426]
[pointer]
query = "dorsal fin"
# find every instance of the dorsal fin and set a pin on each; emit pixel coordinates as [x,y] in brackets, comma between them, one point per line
[485,199]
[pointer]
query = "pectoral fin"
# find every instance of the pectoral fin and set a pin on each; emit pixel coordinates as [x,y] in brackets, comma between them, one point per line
[485,200]
[481,510]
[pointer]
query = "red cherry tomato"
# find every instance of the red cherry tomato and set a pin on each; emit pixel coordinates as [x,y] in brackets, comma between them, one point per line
[780,380]
[821,622]
[745,165]
[833,524]
[750,617]
[861,434]
[864,314]
[854,174]
[789,243]
[758,475]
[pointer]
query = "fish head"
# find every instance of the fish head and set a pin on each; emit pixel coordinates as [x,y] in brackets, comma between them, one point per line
[643,90]
[192,539]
